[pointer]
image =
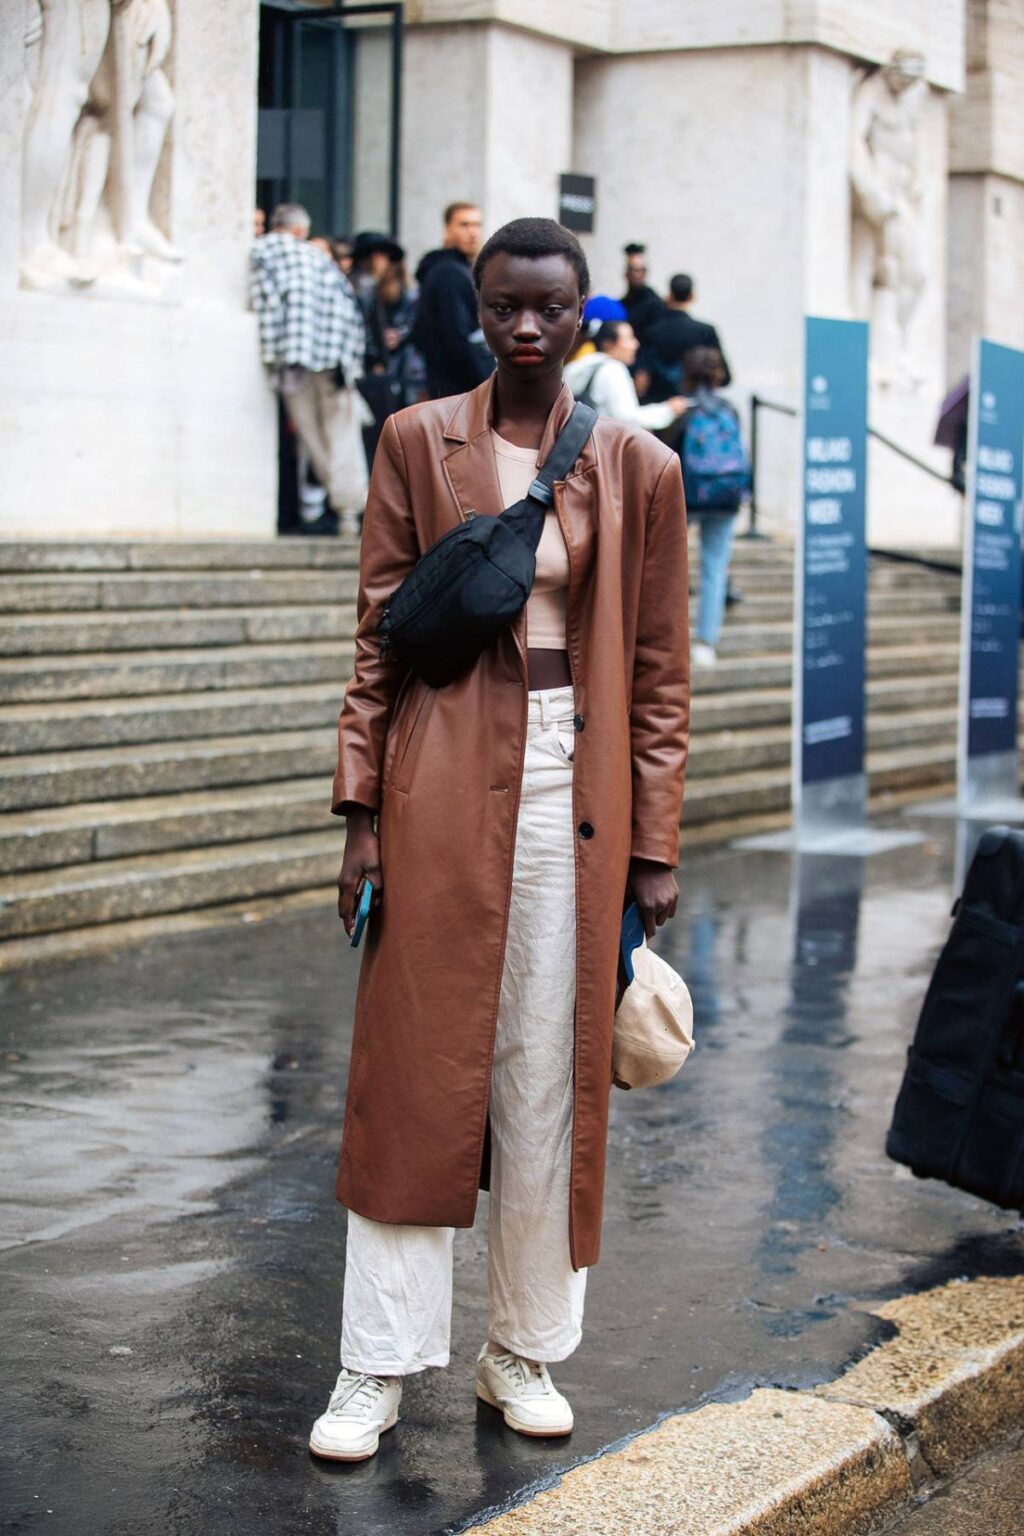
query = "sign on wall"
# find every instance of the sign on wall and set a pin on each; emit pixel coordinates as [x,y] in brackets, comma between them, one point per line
[829,786]
[577,203]
[990,622]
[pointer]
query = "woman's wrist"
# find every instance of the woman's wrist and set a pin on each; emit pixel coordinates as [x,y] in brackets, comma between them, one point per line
[358,818]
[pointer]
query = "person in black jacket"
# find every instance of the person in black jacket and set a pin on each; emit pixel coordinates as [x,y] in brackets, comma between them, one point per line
[671,337]
[643,306]
[447,332]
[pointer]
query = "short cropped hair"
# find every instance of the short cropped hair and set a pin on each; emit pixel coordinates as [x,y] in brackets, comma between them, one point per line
[454,208]
[681,287]
[535,238]
[287,215]
[607,334]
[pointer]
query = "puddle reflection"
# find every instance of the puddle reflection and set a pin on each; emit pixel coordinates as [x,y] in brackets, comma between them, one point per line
[798,1139]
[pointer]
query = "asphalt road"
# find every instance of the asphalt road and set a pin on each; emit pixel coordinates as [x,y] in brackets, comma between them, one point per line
[172,1254]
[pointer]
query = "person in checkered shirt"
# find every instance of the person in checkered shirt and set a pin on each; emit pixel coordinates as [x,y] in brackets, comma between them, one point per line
[312,340]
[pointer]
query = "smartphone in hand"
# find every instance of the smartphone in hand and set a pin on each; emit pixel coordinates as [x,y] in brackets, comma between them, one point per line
[364,896]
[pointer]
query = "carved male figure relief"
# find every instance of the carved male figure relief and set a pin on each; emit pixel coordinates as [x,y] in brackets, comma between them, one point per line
[100,110]
[885,175]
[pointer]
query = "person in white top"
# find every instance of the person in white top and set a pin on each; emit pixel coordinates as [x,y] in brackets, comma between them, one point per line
[604,381]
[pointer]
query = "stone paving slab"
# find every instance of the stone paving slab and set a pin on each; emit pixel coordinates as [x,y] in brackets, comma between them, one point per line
[776,1464]
[954,1373]
[949,1385]
[989,1499]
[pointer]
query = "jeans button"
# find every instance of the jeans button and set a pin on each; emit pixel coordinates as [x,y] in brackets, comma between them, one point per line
[578,722]
[586,829]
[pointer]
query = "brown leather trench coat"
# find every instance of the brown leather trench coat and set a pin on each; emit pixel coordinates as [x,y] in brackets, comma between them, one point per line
[442,768]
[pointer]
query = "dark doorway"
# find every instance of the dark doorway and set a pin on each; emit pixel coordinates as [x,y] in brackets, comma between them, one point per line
[329,112]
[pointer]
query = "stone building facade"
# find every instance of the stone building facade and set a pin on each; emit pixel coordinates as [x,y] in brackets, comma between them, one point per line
[847,159]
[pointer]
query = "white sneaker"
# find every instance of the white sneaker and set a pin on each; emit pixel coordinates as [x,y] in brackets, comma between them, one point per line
[523,1391]
[703,655]
[360,1410]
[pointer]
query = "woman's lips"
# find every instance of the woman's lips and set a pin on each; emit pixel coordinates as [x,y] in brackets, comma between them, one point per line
[526,355]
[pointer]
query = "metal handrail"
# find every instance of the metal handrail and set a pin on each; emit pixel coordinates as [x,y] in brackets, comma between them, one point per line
[759,403]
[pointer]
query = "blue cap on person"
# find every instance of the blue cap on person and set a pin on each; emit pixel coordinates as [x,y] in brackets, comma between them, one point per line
[600,307]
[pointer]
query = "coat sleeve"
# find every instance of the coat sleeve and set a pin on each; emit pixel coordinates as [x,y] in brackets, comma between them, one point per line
[615,393]
[388,552]
[660,710]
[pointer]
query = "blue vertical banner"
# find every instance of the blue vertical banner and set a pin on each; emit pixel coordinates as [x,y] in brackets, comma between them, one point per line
[988,761]
[832,576]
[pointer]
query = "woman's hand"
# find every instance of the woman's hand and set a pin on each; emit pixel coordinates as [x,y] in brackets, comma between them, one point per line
[362,857]
[653,887]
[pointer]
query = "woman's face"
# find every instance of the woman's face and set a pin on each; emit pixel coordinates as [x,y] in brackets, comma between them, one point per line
[530,309]
[625,346]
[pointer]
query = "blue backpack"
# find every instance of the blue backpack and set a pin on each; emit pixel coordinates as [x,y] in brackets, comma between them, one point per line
[716,473]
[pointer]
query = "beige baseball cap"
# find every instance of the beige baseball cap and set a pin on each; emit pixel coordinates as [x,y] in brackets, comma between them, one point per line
[653,1024]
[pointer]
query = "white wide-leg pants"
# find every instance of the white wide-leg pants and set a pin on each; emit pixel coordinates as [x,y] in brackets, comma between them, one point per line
[396,1317]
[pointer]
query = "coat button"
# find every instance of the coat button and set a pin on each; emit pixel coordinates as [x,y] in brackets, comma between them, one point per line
[586,829]
[578,722]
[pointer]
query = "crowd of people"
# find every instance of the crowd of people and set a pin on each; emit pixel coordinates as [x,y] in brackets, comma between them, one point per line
[348,338]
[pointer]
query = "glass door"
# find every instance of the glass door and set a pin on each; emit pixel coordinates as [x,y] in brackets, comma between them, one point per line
[329,112]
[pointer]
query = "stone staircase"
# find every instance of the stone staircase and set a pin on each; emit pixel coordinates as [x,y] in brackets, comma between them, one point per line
[168,713]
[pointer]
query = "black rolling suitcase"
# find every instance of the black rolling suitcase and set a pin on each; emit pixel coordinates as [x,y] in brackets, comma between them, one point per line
[960,1111]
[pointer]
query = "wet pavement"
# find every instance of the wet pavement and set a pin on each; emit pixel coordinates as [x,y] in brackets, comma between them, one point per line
[172,1254]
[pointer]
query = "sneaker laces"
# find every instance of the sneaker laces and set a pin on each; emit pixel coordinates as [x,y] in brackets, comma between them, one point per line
[530,1376]
[358,1391]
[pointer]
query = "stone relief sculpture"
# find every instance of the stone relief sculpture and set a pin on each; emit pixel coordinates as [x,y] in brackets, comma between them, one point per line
[100,108]
[886,180]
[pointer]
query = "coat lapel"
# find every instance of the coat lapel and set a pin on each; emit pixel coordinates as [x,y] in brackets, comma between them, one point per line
[470,466]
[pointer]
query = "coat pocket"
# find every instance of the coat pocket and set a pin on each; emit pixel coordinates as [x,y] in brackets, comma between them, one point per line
[410,737]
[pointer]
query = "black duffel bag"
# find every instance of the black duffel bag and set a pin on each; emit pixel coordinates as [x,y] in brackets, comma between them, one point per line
[467,589]
[960,1111]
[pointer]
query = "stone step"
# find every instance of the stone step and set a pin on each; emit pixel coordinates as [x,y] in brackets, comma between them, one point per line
[120,592]
[165,629]
[736,732]
[82,895]
[116,829]
[122,889]
[76,724]
[104,675]
[117,674]
[774,669]
[770,608]
[169,555]
[892,629]
[716,753]
[158,768]
[31,728]
[74,833]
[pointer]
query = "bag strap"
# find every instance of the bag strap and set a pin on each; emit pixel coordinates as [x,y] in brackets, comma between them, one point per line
[570,443]
[586,394]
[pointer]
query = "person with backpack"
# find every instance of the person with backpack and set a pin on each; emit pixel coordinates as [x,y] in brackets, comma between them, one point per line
[716,477]
[603,380]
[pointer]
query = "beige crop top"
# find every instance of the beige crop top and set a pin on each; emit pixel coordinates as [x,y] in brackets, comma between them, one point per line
[549,599]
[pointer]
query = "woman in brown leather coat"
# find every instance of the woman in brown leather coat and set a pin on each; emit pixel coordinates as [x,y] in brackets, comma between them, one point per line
[504,821]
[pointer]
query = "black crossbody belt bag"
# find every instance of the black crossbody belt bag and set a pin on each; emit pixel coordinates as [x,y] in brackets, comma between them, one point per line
[467,589]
